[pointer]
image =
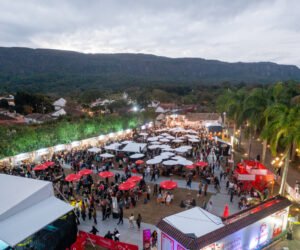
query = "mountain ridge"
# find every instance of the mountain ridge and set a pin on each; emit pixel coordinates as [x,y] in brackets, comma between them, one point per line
[31,68]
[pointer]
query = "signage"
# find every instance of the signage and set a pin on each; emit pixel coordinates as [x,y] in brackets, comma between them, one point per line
[146,239]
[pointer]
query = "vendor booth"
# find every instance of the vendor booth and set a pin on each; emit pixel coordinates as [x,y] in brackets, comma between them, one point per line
[252,228]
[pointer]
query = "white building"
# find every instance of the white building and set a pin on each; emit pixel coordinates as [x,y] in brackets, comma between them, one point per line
[59,104]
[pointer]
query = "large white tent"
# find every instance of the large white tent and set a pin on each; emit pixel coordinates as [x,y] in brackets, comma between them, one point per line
[188,221]
[134,147]
[27,206]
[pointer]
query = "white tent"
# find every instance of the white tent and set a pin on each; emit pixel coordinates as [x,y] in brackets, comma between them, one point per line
[27,206]
[188,221]
[125,142]
[113,146]
[136,156]
[159,110]
[59,113]
[134,147]
[61,102]
[107,155]
[94,150]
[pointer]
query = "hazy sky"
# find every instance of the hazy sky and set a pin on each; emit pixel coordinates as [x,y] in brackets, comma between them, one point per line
[230,30]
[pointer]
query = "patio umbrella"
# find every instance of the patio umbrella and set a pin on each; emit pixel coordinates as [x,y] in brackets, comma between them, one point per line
[193,140]
[127,185]
[152,139]
[155,143]
[184,162]
[40,167]
[152,147]
[125,142]
[107,155]
[72,177]
[139,162]
[106,174]
[190,167]
[201,164]
[155,160]
[167,154]
[178,141]
[169,185]
[136,156]
[49,163]
[170,163]
[85,172]
[164,140]
[135,178]
[181,150]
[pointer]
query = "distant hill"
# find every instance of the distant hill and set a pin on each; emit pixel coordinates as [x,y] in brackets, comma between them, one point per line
[57,70]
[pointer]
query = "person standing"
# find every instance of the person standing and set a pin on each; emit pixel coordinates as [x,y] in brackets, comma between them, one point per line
[94,213]
[139,221]
[116,235]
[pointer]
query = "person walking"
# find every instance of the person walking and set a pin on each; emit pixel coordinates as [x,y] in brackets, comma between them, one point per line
[94,214]
[120,217]
[139,221]
[131,220]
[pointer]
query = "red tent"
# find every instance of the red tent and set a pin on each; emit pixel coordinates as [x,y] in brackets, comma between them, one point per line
[73,177]
[127,185]
[85,172]
[201,164]
[135,178]
[40,167]
[106,174]
[168,185]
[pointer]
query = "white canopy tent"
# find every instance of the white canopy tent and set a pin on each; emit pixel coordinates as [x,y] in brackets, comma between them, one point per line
[27,206]
[134,147]
[188,221]
[94,150]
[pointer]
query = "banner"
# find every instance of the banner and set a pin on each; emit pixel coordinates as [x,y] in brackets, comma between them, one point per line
[83,238]
[146,239]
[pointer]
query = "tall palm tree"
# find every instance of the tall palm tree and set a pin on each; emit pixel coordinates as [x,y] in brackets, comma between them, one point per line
[283,131]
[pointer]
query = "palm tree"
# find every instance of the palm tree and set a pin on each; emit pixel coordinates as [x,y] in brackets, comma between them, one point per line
[231,102]
[283,131]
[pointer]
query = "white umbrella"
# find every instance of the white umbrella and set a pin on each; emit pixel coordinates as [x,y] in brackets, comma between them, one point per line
[170,137]
[184,162]
[170,163]
[167,153]
[163,157]
[94,150]
[143,134]
[165,134]
[194,140]
[177,140]
[107,155]
[181,150]
[167,149]
[152,147]
[155,143]
[136,156]
[192,136]
[155,160]
[186,147]
[152,139]
[125,142]
[164,140]
[113,146]
[177,158]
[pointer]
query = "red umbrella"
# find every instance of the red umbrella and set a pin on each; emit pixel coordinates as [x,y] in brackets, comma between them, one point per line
[40,167]
[85,171]
[73,177]
[135,178]
[190,167]
[49,163]
[226,211]
[201,164]
[139,162]
[106,174]
[127,185]
[168,185]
